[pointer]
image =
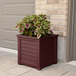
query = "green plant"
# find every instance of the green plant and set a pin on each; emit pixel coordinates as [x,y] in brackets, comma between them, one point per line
[35,25]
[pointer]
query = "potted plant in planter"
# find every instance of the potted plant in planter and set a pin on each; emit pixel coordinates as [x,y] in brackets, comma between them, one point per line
[37,45]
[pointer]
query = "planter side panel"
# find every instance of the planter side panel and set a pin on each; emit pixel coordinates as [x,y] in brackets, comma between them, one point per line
[48,51]
[29,51]
[19,50]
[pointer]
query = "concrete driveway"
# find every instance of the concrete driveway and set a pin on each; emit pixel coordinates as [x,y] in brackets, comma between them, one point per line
[9,67]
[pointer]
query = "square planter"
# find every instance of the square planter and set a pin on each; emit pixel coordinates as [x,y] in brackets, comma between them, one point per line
[37,53]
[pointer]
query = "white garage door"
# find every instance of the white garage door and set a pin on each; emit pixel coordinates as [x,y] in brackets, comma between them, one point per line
[11,11]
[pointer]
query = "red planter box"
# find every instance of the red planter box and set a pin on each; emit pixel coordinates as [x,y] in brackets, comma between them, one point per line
[36,52]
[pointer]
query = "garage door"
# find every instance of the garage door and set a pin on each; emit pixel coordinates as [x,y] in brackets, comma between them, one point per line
[11,11]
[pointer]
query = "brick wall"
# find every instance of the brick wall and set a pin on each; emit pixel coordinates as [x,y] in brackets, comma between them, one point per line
[57,11]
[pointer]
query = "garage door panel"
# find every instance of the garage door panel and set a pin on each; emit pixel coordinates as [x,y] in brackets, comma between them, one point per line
[11,19]
[22,9]
[19,1]
[11,12]
[1,13]
[10,35]
[1,35]
[9,44]
[10,26]
[1,26]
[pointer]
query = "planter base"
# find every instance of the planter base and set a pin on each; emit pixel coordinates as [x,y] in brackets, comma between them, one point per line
[37,53]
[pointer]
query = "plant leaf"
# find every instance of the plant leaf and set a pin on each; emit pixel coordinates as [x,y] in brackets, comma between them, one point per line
[27,25]
[38,35]
[30,33]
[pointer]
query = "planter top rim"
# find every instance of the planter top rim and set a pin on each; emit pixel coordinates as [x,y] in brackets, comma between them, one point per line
[24,36]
